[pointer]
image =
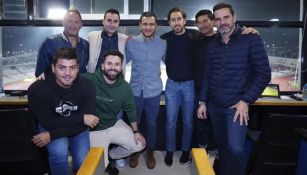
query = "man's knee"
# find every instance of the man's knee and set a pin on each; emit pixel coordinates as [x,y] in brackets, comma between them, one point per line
[58,154]
[237,151]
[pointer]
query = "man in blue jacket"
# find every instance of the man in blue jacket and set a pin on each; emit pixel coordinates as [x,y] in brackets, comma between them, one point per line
[236,72]
[72,24]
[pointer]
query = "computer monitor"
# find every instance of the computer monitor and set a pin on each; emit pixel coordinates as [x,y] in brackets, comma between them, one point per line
[272,90]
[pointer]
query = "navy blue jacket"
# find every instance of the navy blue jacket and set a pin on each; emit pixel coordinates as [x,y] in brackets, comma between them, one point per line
[54,42]
[238,70]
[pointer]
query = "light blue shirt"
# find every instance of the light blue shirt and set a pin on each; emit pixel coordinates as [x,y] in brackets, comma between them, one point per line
[146,57]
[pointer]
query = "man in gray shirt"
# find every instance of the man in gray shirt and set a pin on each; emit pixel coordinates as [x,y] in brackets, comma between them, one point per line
[146,52]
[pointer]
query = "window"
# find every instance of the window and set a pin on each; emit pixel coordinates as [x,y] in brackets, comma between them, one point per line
[19,52]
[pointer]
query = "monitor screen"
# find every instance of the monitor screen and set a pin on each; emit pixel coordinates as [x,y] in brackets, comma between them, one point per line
[272,90]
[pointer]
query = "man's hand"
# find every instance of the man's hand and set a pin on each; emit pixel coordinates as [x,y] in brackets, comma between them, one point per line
[90,120]
[249,30]
[241,112]
[41,76]
[202,111]
[41,139]
[129,38]
[138,137]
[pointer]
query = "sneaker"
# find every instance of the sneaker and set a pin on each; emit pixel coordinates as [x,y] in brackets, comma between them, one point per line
[185,158]
[121,163]
[134,160]
[111,169]
[169,158]
[216,166]
[151,162]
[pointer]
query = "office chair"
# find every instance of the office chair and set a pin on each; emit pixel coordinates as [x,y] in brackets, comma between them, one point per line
[18,155]
[277,150]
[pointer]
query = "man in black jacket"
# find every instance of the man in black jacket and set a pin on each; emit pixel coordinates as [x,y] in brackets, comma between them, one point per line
[179,90]
[63,104]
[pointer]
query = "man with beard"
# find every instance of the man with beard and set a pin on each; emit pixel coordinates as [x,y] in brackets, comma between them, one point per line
[102,41]
[146,51]
[63,105]
[108,39]
[114,94]
[236,72]
[180,54]
[204,20]
[72,24]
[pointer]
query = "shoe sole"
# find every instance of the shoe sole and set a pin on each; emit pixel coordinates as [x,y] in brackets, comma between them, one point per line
[185,163]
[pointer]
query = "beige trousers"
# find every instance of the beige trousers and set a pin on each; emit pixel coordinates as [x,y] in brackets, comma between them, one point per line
[120,134]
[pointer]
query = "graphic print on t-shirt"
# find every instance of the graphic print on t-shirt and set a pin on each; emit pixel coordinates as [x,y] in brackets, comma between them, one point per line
[65,108]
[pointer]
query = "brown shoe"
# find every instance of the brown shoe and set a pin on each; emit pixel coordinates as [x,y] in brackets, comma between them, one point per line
[134,160]
[151,162]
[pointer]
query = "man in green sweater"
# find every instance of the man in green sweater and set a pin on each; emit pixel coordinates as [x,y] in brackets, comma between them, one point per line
[114,94]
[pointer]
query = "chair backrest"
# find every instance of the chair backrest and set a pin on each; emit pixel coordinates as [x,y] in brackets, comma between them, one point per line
[18,155]
[278,147]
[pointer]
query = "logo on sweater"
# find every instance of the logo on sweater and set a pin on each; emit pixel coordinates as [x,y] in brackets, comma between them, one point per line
[105,99]
[65,108]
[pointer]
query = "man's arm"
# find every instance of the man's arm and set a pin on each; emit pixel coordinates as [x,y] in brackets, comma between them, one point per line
[204,93]
[249,30]
[138,137]
[43,58]
[130,109]
[127,52]
[260,70]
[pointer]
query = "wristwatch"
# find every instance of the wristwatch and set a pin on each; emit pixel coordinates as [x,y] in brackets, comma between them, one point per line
[136,131]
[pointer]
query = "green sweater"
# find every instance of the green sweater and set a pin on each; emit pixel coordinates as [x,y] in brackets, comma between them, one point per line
[111,99]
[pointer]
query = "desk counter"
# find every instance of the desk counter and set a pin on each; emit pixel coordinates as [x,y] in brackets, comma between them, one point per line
[15,100]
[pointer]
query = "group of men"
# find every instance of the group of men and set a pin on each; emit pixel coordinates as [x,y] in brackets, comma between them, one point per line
[225,71]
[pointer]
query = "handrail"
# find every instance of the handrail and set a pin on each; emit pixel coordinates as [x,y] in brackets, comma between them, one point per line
[201,164]
[93,163]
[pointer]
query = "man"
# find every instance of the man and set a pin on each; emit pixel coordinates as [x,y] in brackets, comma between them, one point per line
[236,72]
[205,22]
[72,24]
[114,94]
[179,90]
[108,39]
[63,104]
[102,41]
[146,51]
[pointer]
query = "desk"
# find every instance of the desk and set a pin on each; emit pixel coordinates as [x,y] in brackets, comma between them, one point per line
[14,100]
[279,102]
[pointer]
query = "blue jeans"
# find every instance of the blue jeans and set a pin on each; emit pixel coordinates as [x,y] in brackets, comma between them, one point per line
[229,138]
[58,152]
[176,94]
[151,107]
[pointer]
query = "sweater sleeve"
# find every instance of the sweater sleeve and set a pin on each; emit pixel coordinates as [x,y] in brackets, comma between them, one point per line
[43,58]
[89,97]
[128,53]
[129,106]
[260,70]
[204,93]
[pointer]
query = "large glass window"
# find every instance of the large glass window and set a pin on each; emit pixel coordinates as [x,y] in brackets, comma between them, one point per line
[19,45]
[22,44]
[282,46]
